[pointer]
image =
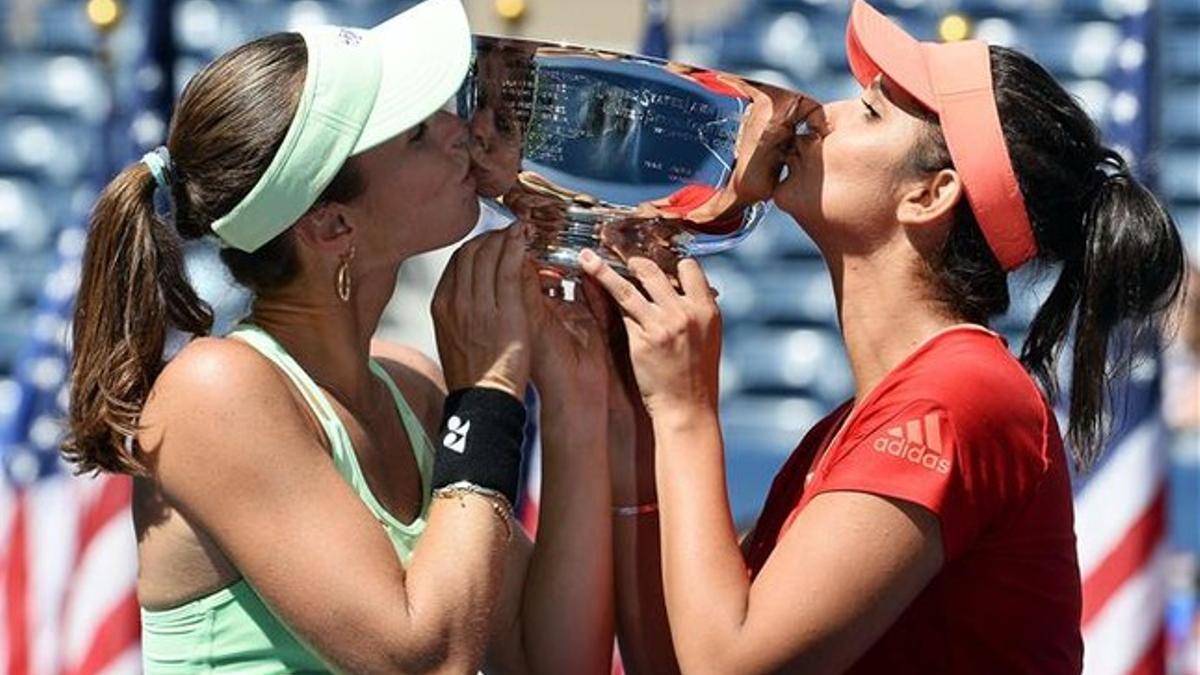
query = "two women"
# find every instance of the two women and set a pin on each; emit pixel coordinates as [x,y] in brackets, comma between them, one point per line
[307,498]
[925,526]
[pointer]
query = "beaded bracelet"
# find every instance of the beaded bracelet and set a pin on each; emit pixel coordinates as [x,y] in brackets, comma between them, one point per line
[500,504]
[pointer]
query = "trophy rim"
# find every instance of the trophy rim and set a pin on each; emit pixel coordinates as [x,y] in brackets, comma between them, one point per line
[652,60]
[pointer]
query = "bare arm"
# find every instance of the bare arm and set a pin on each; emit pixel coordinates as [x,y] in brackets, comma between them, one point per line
[236,455]
[566,622]
[643,631]
[808,609]
[566,603]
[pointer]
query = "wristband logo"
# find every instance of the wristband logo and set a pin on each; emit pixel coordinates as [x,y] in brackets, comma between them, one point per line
[456,438]
[918,441]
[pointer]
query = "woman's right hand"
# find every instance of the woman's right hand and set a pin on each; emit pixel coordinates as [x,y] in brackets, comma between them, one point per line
[479,318]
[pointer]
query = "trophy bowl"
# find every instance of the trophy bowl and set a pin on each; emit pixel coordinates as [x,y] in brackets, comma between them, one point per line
[623,154]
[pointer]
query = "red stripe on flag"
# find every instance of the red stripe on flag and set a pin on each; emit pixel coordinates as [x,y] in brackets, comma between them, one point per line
[112,502]
[529,515]
[1124,561]
[116,634]
[16,589]
[1154,660]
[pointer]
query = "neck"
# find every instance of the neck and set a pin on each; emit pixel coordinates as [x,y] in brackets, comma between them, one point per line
[885,314]
[329,338]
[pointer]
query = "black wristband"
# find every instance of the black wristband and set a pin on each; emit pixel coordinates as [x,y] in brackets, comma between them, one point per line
[480,441]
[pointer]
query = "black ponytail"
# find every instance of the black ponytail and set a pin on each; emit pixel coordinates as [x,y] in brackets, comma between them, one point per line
[1119,254]
[1128,273]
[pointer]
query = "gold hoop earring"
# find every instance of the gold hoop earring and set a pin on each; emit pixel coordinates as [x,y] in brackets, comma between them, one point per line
[343,282]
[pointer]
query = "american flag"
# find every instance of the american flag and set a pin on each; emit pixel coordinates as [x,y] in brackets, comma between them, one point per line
[68,556]
[1120,505]
[67,544]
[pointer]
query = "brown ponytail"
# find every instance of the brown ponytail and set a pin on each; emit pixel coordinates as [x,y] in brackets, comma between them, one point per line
[225,130]
[134,286]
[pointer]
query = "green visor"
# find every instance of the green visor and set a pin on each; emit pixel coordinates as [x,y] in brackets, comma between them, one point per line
[361,88]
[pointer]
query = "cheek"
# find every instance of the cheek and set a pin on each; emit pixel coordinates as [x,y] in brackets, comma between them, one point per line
[858,181]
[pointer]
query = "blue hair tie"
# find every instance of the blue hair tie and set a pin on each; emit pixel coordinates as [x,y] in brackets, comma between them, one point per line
[159,162]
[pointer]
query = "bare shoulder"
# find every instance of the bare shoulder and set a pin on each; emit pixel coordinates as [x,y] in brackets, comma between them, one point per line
[213,389]
[418,376]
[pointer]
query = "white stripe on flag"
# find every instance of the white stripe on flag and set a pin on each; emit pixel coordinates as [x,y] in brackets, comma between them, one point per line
[104,578]
[1119,493]
[1122,631]
[51,534]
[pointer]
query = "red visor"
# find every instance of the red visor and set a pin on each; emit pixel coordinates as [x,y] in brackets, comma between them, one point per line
[954,81]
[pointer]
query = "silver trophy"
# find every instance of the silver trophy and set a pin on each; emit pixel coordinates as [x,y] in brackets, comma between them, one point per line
[623,154]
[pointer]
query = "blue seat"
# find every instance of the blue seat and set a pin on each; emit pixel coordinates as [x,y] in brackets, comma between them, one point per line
[777,237]
[1181,113]
[47,149]
[41,84]
[807,361]
[1180,175]
[760,433]
[51,26]
[796,292]
[1181,51]
[1181,10]
[792,292]
[210,27]
[13,332]
[1187,219]
[26,224]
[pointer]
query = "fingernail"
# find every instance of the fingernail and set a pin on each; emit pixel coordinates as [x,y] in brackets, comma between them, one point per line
[587,256]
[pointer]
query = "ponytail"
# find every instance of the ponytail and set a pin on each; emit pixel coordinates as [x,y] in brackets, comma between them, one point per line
[1114,288]
[1120,257]
[133,288]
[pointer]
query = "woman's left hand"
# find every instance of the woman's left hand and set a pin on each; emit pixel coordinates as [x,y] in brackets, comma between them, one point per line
[674,336]
[569,343]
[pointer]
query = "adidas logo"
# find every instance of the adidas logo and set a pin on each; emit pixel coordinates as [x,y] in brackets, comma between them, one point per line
[918,441]
[456,438]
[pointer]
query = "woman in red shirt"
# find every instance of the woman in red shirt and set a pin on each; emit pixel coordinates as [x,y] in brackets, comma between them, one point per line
[926,525]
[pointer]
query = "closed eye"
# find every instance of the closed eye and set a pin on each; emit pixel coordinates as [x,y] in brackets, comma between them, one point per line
[418,133]
[871,112]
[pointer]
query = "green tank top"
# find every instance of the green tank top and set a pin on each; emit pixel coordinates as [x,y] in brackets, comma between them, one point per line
[232,630]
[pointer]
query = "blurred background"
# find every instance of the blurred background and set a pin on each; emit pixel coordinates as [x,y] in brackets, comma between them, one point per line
[86,88]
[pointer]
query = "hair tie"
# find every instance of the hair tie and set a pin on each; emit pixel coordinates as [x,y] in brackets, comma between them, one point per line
[158,161]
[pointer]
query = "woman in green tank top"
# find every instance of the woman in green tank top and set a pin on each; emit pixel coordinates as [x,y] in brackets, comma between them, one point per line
[293,513]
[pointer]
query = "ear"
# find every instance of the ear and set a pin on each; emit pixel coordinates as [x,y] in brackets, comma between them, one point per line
[930,200]
[326,228]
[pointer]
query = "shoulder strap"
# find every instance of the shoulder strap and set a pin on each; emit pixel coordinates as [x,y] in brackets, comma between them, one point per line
[339,441]
[418,438]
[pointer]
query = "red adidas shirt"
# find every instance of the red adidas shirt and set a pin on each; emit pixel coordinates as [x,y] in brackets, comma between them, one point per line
[960,429]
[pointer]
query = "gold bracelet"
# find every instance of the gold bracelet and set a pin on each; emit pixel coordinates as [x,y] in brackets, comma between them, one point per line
[499,503]
[635,510]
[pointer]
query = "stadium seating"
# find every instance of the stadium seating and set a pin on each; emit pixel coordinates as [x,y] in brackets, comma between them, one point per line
[784,364]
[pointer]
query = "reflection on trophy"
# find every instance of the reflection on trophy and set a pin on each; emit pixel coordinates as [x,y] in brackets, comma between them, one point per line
[623,154]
